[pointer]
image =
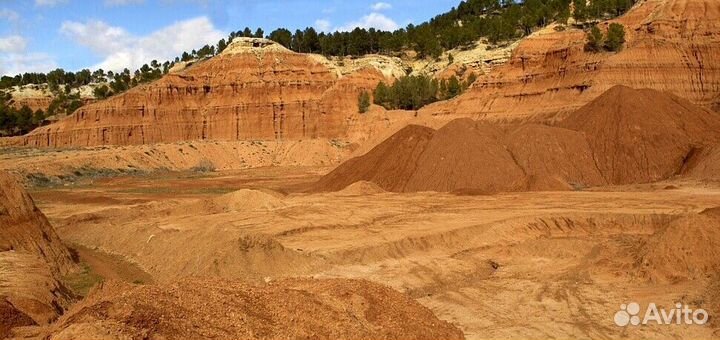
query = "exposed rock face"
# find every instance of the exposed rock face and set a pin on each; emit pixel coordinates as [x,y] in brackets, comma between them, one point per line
[24,229]
[255,90]
[672,45]
[32,258]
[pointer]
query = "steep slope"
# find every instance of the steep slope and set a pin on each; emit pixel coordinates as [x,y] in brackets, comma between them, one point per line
[624,136]
[672,45]
[219,309]
[704,164]
[466,155]
[643,135]
[32,258]
[254,90]
[389,165]
[469,156]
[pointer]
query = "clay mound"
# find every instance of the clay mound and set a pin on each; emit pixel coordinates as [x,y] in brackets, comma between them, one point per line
[389,165]
[32,258]
[361,188]
[470,157]
[219,309]
[640,136]
[687,249]
[554,158]
[245,200]
[704,164]
[249,200]
[466,155]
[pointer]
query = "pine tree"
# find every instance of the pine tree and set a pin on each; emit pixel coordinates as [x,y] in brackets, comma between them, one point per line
[615,37]
[594,40]
[364,102]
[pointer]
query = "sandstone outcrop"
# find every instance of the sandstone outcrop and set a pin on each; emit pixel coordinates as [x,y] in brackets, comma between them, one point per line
[672,45]
[254,90]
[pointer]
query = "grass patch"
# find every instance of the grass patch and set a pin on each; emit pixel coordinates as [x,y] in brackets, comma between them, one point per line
[83,281]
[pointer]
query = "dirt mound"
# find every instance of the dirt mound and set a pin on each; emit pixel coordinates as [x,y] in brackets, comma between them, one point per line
[288,309]
[467,155]
[642,135]
[32,258]
[554,158]
[625,136]
[703,164]
[471,157]
[361,188]
[389,165]
[248,200]
[687,249]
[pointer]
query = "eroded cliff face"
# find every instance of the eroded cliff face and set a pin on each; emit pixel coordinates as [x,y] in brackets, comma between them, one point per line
[255,92]
[672,45]
[32,259]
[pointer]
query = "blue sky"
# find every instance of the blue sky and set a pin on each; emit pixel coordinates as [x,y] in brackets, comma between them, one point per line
[40,35]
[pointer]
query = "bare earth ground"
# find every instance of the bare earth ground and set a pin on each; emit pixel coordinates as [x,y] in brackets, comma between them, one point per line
[520,265]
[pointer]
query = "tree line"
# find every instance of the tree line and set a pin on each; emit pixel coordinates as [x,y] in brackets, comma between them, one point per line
[413,92]
[471,20]
[17,121]
[496,20]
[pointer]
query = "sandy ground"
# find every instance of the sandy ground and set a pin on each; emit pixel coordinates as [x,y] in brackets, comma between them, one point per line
[531,265]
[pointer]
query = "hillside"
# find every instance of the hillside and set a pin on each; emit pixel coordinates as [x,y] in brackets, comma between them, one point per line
[32,260]
[625,136]
[672,45]
[254,90]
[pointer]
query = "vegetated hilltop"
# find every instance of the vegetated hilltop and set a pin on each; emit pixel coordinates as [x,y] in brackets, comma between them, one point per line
[223,309]
[671,45]
[32,259]
[255,90]
[478,34]
[624,136]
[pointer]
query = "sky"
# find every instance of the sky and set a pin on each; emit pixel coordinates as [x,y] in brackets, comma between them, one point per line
[41,35]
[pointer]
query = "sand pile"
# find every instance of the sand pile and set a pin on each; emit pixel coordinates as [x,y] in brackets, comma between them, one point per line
[466,155]
[625,136]
[687,249]
[642,135]
[219,309]
[361,188]
[249,200]
[245,200]
[32,258]
[389,165]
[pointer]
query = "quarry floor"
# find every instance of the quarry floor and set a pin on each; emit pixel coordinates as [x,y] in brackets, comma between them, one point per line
[517,265]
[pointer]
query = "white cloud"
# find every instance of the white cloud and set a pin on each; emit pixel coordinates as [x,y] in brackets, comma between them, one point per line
[16,63]
[381,6]
[9,15]
[323,25]
[48,3]
[12,44]
[121,49]
[14,59]
[113,3]
[375,20]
